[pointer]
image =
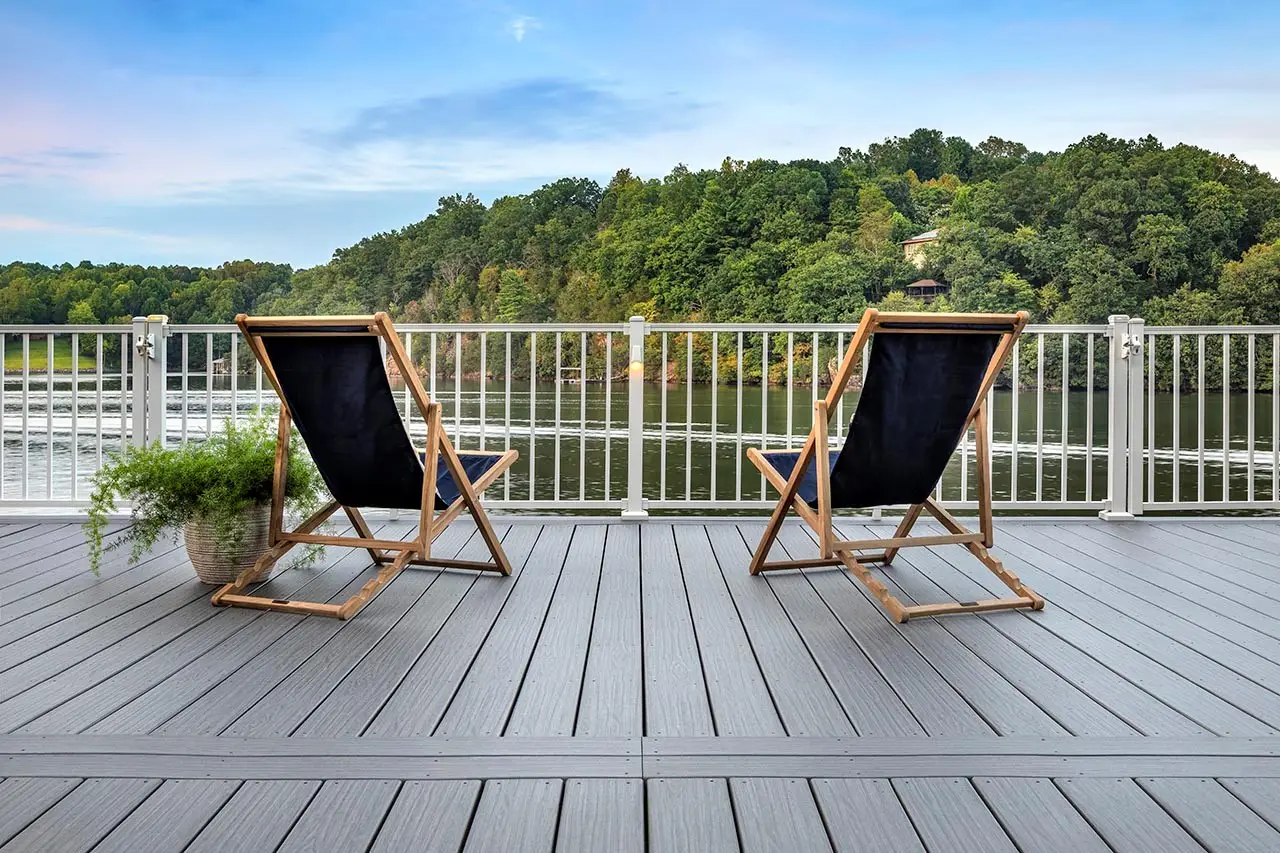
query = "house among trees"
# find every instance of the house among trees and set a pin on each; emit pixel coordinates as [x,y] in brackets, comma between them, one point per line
[926,289]
[913,248]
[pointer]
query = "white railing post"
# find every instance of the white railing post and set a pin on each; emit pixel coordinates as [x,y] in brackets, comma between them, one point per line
[635,503]
[1120,480]
[147,395]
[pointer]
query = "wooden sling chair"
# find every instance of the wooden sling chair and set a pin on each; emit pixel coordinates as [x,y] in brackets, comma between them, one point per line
[926,383]
[330,376]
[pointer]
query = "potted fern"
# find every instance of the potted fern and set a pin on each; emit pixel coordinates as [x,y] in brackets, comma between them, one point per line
[217,492]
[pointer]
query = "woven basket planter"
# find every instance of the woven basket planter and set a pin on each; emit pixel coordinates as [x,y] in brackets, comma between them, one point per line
[216,562]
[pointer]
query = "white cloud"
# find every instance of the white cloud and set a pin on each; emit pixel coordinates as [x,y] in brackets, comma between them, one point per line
[520,25]
[33,224]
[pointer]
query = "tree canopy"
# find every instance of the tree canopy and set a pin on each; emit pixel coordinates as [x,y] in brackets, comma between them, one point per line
[1106,226]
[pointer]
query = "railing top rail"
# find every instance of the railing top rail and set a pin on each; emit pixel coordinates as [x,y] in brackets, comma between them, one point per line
[202,328]
[450,328]
[1212,330]
[834,327]
[623,328]
[50,329]
[1047,328]
[511,327]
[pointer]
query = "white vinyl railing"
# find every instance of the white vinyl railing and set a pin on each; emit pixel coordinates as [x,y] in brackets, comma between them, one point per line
[639,416]
[1215,388]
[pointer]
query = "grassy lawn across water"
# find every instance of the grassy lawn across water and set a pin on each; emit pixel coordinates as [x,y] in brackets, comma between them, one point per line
[39,355]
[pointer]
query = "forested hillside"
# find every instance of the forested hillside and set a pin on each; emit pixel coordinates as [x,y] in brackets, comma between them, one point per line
[1178,235]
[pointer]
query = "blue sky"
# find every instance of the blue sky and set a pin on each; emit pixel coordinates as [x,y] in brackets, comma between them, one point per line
[196,131]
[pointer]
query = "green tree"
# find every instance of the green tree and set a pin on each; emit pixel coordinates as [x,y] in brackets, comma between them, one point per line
[516,302]
[1098,285]
[1251,285]
[832,288]
[1160,243]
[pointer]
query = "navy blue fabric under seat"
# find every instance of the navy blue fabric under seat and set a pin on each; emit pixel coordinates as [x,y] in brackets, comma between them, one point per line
[474,466]
[785,461]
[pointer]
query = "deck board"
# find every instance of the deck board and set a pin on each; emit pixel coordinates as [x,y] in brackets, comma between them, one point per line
[215,709]
[353,703]
[516,815]
[429,817]
[1214,689]
[865,814]
[83,817]
[1226,560]
[933,701]
[612,702]
[949,815]
[345,815]
[999,700]
[1218,820]
[444,673]
[548,698]
[804,698]
[1165,590]
[91,600]
[281,710]
[676,698]
[1190,579]
[171,817]
[1156,664]
[256,818]
[1108,685]
[777,816]
[602,814]
[1067,703]
[1038,817]
[741,701]
[688,815]
[870,701]
[1158,615]
[1126,818]
[1261,795]
[24,800]
[691,706]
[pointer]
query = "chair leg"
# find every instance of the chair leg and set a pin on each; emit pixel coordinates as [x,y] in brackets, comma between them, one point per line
[871,582]
[265,563]
[1024,595]
[771,531]
[385,575]
[904,528]
[362,528]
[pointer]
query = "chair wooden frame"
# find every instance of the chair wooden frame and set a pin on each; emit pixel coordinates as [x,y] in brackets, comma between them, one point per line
[391,555]
[836,552]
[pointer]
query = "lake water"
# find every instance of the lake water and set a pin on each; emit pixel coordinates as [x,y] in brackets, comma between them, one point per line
[693,446]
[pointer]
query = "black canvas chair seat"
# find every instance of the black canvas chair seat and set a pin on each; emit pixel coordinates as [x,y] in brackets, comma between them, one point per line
[332,381]
[926,383]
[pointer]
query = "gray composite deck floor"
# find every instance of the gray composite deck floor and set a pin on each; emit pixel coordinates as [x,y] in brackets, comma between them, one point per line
[631,688]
